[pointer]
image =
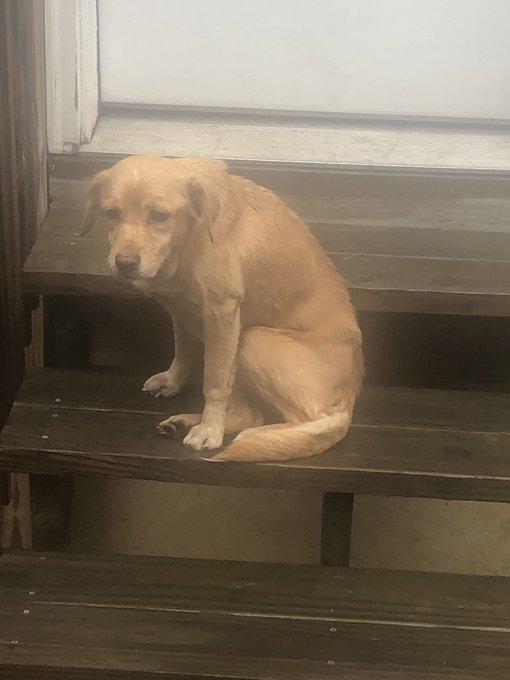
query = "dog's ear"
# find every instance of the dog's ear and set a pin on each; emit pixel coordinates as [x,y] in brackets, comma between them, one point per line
[205,202]
[89,216]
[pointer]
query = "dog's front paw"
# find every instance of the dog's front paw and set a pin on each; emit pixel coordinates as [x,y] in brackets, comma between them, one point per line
[204,437]
[178,423]
[161,385]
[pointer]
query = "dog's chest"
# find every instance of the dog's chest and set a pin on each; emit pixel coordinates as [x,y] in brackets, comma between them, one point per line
[186,309]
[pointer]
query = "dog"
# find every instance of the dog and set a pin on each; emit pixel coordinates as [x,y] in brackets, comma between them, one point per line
[254,300]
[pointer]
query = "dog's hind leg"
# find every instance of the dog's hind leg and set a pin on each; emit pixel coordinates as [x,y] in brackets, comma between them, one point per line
[302,379]
[311,381]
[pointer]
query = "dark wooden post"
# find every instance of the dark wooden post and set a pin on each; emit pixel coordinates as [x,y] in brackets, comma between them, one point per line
[23,199]
[336,529]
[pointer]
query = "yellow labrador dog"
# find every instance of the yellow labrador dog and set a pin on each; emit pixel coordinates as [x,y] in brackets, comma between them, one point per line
[253,298]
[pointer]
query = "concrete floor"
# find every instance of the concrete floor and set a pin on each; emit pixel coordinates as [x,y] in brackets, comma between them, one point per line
[280,526]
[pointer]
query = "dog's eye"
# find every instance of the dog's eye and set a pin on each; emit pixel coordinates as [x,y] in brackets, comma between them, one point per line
[158,216]
[112,213]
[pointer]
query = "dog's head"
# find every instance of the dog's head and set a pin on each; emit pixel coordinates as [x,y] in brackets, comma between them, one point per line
[153,206]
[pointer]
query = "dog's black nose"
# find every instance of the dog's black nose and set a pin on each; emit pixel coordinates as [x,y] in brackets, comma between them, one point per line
[127,264]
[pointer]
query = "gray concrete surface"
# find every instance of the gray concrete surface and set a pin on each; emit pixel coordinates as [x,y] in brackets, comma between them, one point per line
[301,143]
[280,526]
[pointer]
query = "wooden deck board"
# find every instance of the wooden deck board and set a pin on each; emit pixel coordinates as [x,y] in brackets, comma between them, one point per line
[88,617]
[423,443]
[396,254]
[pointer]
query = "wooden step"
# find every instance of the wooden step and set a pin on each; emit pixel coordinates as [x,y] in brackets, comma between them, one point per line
[404,442]
[140,617]
[400,248]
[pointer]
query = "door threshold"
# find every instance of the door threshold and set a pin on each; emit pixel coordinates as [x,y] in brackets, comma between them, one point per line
[325,146]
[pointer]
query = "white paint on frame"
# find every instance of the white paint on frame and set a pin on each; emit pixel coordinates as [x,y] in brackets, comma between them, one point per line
[72,83]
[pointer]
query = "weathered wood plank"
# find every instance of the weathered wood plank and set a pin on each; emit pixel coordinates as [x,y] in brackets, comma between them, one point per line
[259,588]
[351,201]
[158,617]
[252,671]
[23,178]
[208,645]
[396,254]
[314,178]
[23,203]
[336,526]
[403,442]
[376,282]
[384,406]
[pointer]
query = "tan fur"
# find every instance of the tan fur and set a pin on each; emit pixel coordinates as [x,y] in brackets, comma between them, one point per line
[253,297]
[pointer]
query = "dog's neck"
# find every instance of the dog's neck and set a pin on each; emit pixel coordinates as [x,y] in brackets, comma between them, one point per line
[165,281]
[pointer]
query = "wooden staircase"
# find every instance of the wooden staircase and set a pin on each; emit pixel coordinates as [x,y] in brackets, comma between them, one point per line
[109,618]
[426,244]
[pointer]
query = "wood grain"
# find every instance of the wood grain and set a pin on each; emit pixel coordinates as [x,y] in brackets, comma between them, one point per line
[17,519]
[88,617]
[18,516]
[424,443]
[23,201]
[408,253]
[23,177]
[336,527]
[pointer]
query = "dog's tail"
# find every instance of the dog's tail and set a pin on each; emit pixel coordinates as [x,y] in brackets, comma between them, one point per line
[285,442]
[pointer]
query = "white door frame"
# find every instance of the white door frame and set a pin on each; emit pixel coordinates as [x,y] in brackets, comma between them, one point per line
[72,81]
